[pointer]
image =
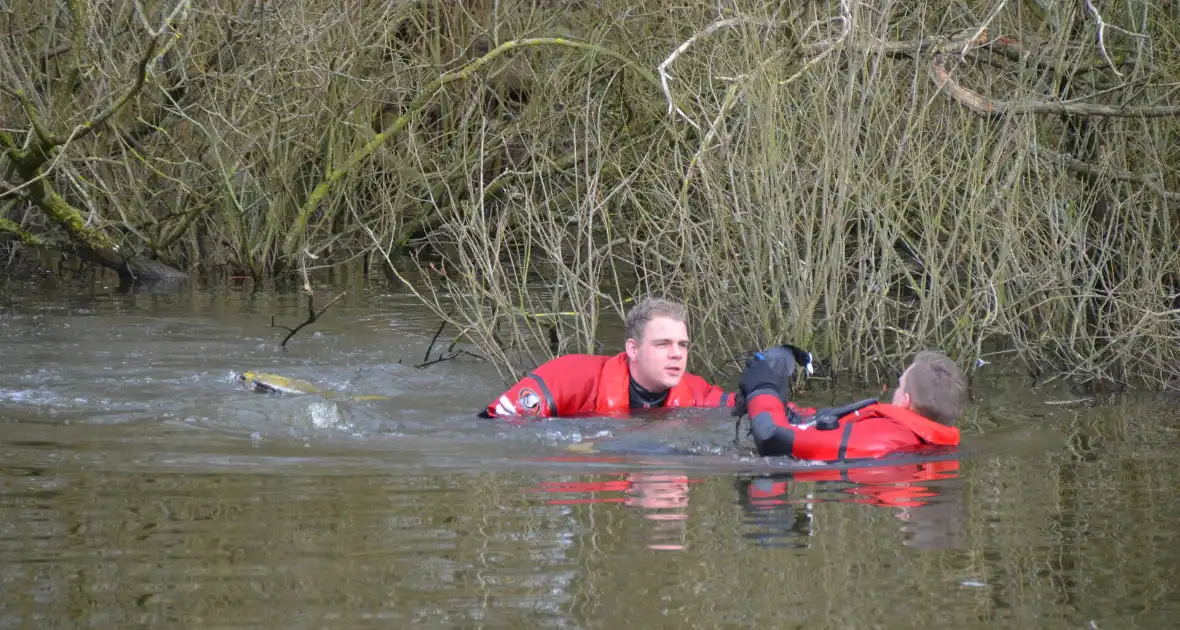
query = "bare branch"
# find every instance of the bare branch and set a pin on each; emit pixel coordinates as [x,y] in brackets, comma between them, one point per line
[1102,37]
[1078,166]
[17,156]
[980,34]
[424,95]
[734,91]
[662,69]
[983,105]
[141,72]
[1102,25]
[312,316]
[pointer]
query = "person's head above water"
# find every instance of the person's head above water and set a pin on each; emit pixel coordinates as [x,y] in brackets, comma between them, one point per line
[656,343]
[933,386]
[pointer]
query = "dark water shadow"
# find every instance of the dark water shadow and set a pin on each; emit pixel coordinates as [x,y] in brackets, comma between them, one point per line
[142,286]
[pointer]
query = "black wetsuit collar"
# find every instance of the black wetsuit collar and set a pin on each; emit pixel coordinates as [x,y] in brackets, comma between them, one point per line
[641,398]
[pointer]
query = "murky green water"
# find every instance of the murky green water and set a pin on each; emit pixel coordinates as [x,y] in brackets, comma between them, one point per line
[140,485]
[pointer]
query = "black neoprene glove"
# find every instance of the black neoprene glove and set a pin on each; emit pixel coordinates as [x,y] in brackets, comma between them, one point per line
[760,375]
[771,371]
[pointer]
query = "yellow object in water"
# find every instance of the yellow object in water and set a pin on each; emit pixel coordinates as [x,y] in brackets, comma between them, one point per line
[583,447]
[276,384]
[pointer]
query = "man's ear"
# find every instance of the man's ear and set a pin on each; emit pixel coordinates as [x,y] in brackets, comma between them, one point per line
[632,348]
[906,401]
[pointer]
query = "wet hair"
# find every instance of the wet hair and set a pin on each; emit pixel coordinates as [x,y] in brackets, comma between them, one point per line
[648,309]
[937,387]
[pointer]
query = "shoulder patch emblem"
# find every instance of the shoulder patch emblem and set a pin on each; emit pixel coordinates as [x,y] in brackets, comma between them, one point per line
[529,402]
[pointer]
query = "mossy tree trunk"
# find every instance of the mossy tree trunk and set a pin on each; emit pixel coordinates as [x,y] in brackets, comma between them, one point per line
[35,163]
[89,243]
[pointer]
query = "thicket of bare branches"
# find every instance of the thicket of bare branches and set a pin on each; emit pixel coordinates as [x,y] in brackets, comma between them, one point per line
[866,178]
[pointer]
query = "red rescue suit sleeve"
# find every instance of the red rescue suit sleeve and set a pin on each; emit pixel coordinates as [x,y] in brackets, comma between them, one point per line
[867,436]
[697,392]
[563,386]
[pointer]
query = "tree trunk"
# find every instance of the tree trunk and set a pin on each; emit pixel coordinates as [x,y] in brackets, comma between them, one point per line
[90,243]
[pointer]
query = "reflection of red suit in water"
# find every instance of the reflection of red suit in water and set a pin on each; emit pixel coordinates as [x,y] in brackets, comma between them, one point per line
[583,384]
[926,496]
[660,496]
[885,486]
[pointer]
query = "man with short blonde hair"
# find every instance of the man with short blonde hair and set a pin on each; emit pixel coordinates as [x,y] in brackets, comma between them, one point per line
[650,372]
[642,313]
[934,387]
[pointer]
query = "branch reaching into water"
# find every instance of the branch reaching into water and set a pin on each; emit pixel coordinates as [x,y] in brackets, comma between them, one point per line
[450,352]
[434,339]
[312,316]
[450,355]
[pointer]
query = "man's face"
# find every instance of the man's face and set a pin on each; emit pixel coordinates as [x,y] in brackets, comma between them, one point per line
[658,358]
[900,397]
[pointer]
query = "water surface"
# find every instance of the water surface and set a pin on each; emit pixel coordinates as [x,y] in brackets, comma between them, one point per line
[140,484]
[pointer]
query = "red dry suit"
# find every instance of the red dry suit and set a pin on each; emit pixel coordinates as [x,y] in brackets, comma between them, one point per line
[867,433]
[588,384]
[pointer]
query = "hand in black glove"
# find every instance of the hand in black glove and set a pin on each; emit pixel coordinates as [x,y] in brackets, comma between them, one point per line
[770,370]
[760,375]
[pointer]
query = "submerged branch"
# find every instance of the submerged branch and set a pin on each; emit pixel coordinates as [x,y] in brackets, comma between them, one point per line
[434,339]
[450,355]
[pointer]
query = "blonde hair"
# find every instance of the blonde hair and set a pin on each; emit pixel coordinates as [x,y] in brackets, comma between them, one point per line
[648,309]
[937,387]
